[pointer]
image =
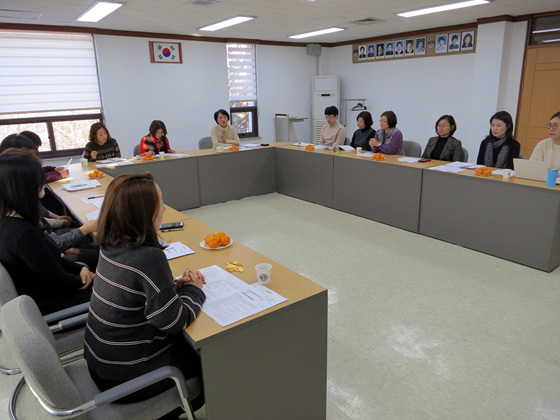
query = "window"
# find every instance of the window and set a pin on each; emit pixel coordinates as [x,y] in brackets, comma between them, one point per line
[545,29]
[49,85]
[242,81]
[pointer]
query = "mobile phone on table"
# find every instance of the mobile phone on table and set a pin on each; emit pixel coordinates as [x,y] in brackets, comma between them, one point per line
[173,225]
[424,160]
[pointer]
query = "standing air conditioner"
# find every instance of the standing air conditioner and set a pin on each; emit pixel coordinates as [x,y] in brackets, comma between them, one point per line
[325,92]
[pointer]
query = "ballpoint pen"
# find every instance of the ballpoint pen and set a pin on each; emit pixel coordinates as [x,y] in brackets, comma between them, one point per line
[96,196]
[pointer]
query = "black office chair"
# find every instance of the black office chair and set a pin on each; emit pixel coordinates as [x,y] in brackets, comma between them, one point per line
[135,150]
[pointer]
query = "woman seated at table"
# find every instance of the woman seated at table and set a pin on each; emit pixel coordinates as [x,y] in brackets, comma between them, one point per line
[156,140]
[364,133]
[500,148]
[223,134]
[388,139]
[549,149]
[101,145]
[33,260]
[52,173]
[137,311]
[444,146]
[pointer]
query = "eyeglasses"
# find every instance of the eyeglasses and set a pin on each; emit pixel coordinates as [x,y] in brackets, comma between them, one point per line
[550,126]
[443,125]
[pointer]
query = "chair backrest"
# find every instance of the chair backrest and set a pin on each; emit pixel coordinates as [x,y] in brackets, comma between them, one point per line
[465,155]
[7,288]
[205,143]
[31,344]
[412,148]
[135,150]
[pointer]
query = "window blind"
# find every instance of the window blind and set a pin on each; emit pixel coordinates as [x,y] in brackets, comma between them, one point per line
[41,71]
[242,72]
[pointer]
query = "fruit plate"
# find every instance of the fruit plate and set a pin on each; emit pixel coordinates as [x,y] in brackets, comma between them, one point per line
[95,177]
[204,245]
[482,175]
[384,158]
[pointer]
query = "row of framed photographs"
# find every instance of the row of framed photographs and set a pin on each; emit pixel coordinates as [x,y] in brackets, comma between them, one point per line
[443,43]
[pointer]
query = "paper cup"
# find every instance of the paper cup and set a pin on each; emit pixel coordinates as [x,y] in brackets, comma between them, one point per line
[506,173]
[551,179]
[358,150]
[83,161]
[263,273]
[161,155]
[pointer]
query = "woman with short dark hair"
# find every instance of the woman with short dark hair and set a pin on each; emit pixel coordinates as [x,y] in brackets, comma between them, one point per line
[223,134]
[444,146]
[101,145]
[388,139]
[499,148]
[137,311]
[364,133]
[32,259]
[156,140]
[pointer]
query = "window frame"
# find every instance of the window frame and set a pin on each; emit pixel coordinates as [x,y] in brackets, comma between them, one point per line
[249,110]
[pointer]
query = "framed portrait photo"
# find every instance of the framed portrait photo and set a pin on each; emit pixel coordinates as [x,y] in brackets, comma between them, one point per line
[165,52]
[468,41]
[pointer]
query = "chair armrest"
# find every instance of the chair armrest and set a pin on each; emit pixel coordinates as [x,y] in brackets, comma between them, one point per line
[68,323]
[66,313]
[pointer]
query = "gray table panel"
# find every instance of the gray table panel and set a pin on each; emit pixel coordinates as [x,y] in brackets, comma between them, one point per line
[305,175]
[230,176]
[378,191]
[276,368]
[514,222]
[177,178]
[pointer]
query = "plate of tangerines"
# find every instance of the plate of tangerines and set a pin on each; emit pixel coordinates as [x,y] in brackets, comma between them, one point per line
[216,241]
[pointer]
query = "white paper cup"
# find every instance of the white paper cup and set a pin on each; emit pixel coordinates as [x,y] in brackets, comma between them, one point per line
[506,173]
[162,155]
[263,273]
[358,150]
[83,161]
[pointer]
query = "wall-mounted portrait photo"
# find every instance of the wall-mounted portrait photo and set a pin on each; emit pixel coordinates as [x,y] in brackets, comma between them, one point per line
[441,44]
[380,50]
[409,47]
[454,42]
[362,55]
[399,48]
[389,49]
[468,41]
[371,51]
[420,46]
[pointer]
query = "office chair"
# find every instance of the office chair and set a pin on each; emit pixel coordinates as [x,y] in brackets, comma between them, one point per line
[412,148]
[205,143]
[67,343]
[65,391]
[135,150]
[465,155]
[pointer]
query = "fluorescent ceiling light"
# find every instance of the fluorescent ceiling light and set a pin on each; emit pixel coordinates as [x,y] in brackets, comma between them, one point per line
[315,33]
[98,11]
[551,40]
[443,8]
[224,24]
[542,31]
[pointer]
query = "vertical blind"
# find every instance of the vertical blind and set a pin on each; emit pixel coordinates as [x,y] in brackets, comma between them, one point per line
[42,71]
[242,72]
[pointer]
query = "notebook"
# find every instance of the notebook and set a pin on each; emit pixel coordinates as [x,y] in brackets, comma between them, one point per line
[531,169]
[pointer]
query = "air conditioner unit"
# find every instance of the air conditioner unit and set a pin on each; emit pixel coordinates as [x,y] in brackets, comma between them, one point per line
[325,92]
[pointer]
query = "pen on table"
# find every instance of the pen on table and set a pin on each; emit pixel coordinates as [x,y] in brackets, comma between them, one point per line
[171,230]
[96,196]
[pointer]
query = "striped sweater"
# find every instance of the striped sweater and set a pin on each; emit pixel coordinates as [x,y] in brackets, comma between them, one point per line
[134,313]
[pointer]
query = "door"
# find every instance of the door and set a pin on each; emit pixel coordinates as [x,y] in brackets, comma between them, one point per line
[539,95]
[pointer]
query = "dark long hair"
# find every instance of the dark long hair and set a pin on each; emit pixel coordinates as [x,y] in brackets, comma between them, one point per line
[128,212]
[366,116]
[506,118]
[18,141]
[21,178]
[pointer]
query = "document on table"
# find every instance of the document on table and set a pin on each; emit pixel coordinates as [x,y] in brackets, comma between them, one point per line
[83,185]
[121,163]
[229,299]
[176,250]
[343,147]
[110,160]
[176,154]
[450,167]
[250,145]
[408,159]
[365,154]
[94,215]
[96,201]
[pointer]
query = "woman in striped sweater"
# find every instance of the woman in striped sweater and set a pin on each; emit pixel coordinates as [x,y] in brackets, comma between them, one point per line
[137,311]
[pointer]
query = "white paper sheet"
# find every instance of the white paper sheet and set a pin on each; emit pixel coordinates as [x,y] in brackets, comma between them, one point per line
[124,162]
[176,154]
[365,154]
[94,215]
[229,299]
[110,160]
[408,159]
[249,145]
[83,185]
[96,201]
[344,147]
[176,250]
[446,168]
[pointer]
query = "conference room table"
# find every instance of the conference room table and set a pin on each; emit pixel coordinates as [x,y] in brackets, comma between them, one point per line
[271,365]
[514,219]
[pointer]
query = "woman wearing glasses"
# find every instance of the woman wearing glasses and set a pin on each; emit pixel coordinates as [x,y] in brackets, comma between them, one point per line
[444,146]
[549,149]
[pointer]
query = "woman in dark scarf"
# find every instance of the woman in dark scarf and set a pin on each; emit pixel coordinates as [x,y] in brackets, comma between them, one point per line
[500,148]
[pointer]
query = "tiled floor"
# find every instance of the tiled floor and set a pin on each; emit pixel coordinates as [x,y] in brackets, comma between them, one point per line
[418,328]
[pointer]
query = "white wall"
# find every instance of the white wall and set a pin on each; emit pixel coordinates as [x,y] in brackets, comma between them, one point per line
[471,87]
[185,97]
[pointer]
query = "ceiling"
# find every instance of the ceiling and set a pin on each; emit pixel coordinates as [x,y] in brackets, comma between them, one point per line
[275,19]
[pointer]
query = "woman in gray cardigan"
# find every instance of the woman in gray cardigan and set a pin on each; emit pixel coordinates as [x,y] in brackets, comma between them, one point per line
[444,146]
